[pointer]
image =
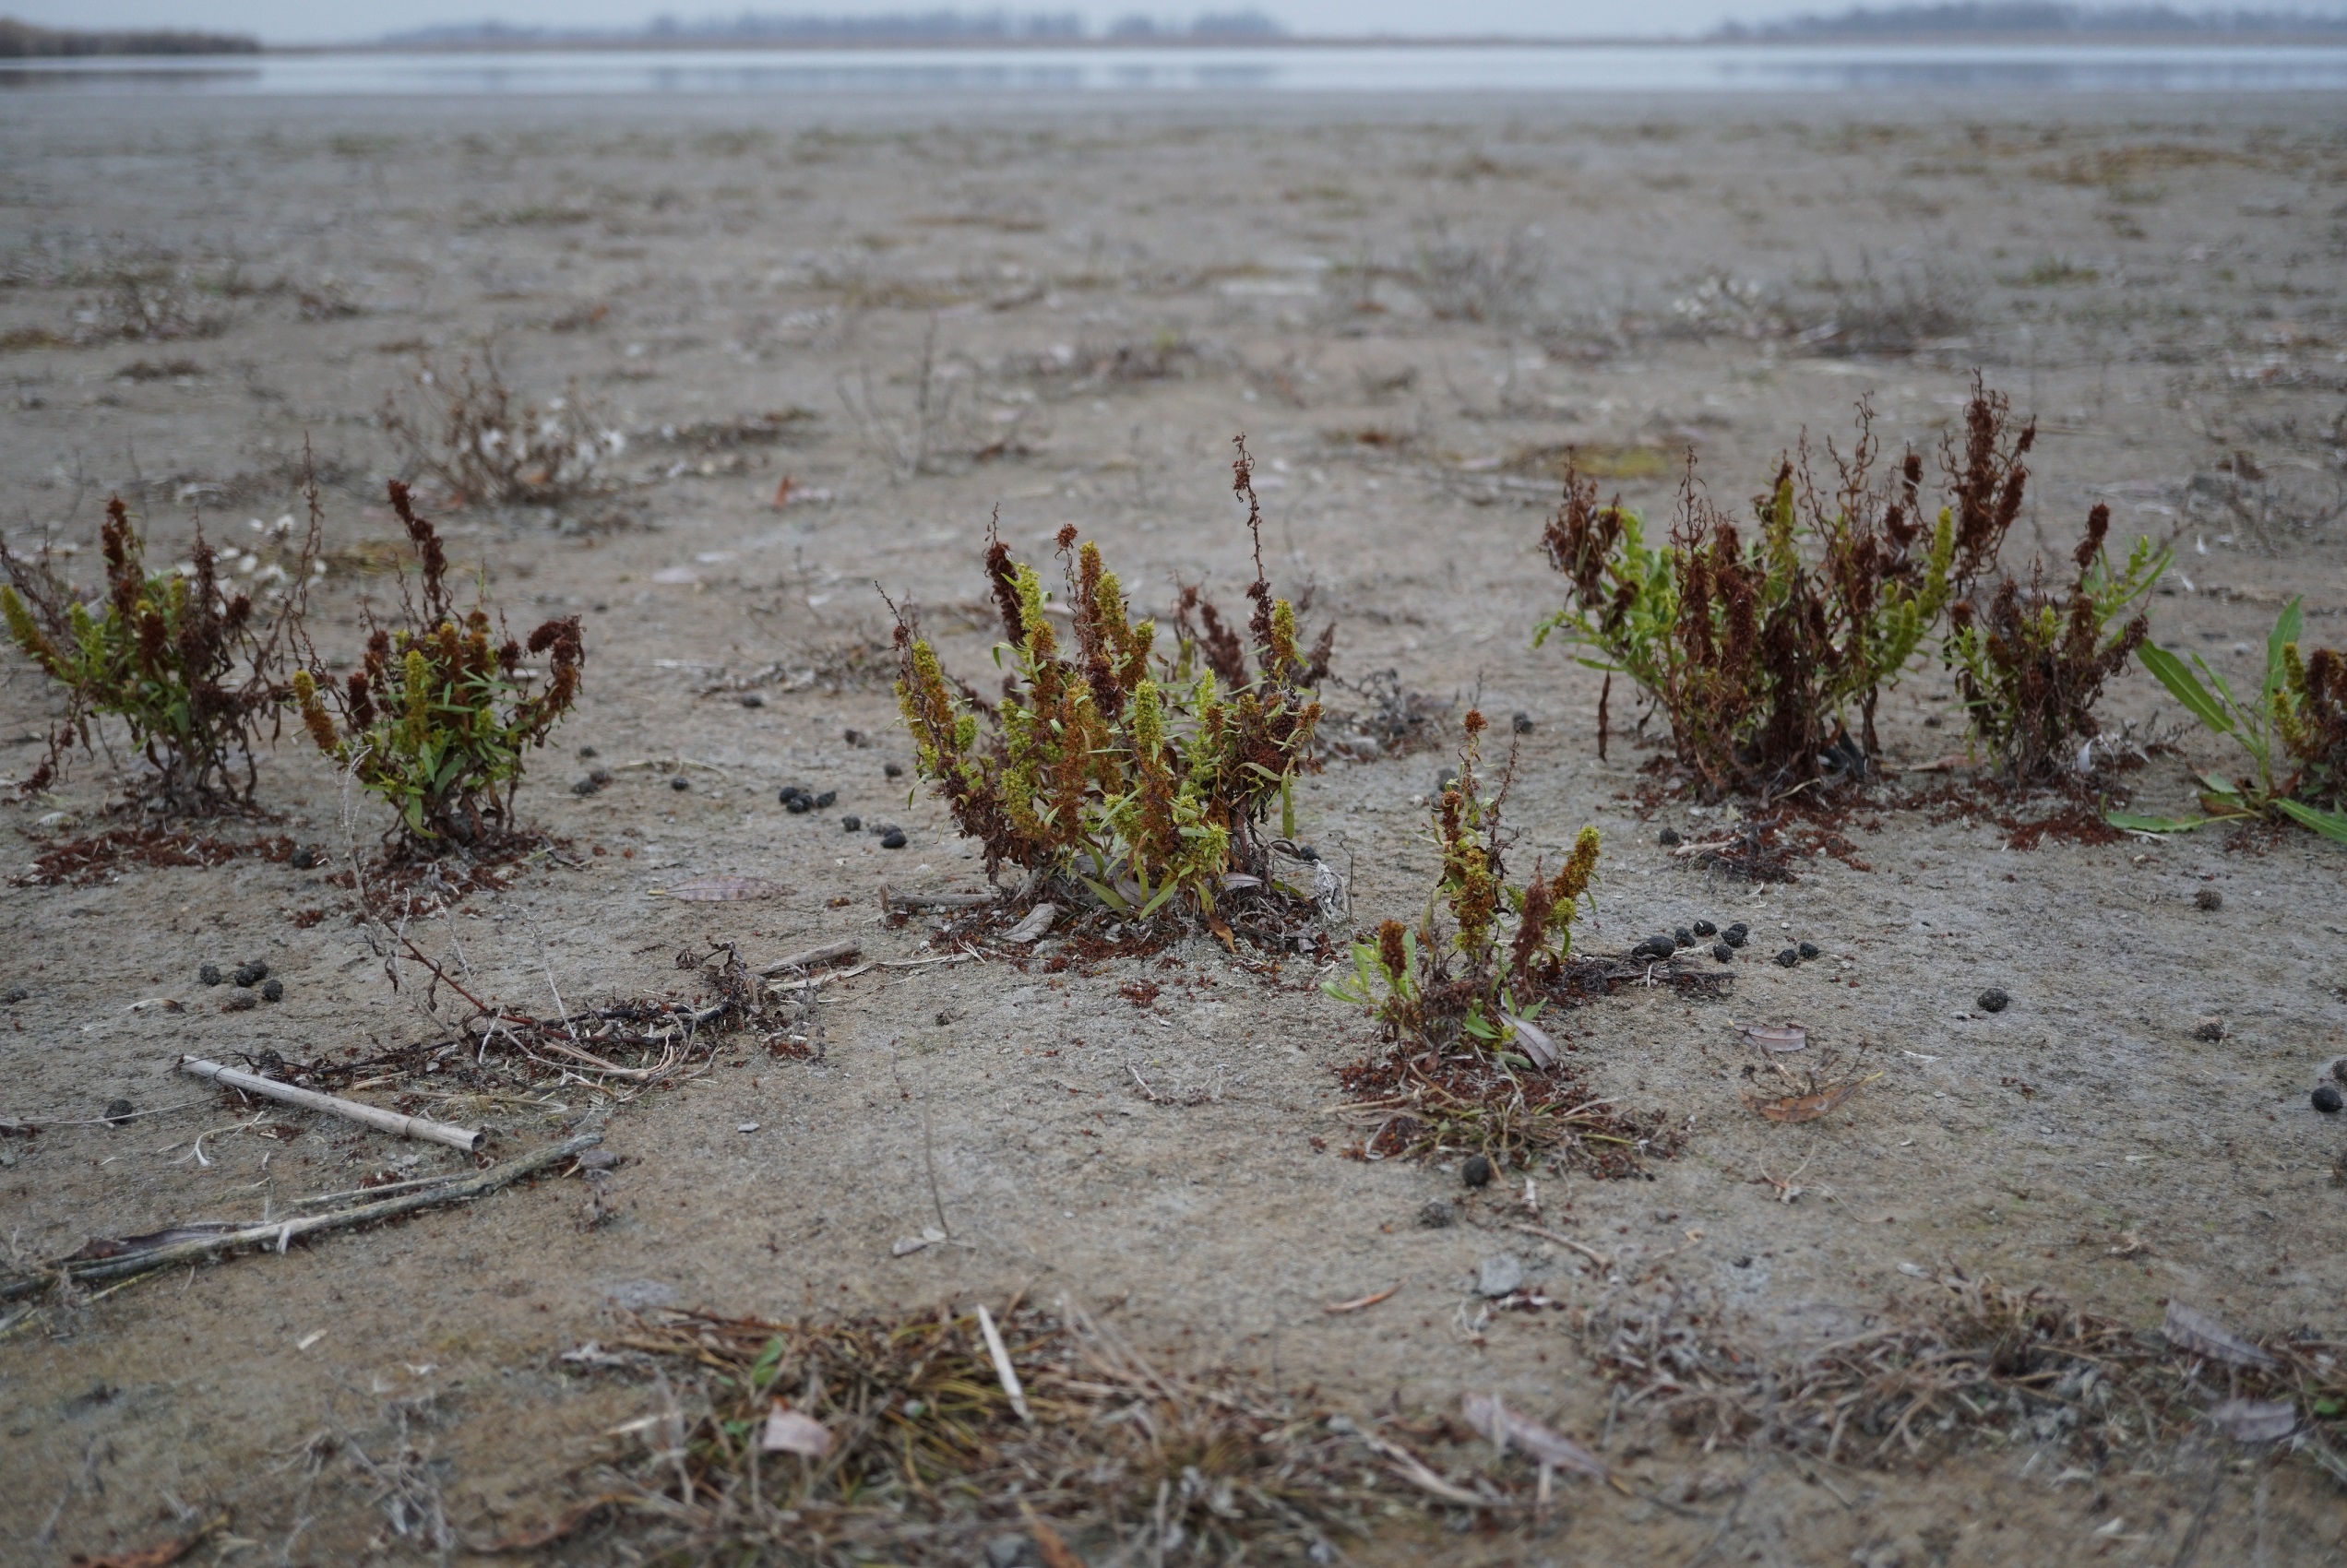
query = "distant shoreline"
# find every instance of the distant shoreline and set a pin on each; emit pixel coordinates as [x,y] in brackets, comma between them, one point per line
[649,46]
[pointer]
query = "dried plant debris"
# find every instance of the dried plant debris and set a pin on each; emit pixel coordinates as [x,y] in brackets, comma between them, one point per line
[102,857]
[1514,1116]
[1973,1361]
[1391,720]
[924,1439]
[1815,1090]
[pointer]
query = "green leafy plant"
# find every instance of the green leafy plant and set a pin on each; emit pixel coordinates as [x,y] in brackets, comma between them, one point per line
[436,720]
[2294,732]
[2031,663]
[1472,969]
[190,664]
[1761,655]
[1144,779]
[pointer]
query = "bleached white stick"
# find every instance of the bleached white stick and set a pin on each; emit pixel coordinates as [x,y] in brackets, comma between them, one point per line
[465,1138]
[1003,1369]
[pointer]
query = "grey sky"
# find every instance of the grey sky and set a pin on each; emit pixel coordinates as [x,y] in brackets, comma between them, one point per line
[290,21]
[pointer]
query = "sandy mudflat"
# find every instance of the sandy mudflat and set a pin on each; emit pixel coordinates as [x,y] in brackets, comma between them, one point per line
[1394,302]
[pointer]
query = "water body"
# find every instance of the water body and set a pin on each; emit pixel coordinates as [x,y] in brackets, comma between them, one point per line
[1576,69]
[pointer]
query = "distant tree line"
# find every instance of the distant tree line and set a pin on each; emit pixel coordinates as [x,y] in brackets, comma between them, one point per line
[2034,19]
[22,40]
[890,27]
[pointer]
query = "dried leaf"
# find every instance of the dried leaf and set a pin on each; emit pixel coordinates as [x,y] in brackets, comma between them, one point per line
[1535,1041]
[1781,1038]
[720,889]
[2204,1335]
[794,1431]
[160,1555]
[1358,1303]
[1039,920]
[1805,1107]
[1545,1445]
[1055,1551]
[2255,1420]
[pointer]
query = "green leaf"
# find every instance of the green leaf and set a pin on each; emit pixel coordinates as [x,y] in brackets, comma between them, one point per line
[1287,808]
[2330,825]
[2169,671]
[2133,824]
[2286,629]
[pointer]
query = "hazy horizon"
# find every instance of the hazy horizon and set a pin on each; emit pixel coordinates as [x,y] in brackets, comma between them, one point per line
[289,23]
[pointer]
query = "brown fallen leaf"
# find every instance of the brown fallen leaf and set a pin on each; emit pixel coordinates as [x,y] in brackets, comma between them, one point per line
[720,889]
[1807,1107]
[1358,1303]
[160,1554]
[1223,932]
[1049,1544]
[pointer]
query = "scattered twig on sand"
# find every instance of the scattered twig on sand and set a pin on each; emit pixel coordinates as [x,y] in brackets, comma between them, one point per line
[468,1139]
[915,903]
[829,953]
[109,1260]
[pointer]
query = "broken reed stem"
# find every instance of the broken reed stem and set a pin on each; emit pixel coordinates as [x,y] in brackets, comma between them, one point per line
[280,1233]
[468,1139]
[829,953]
[914,903]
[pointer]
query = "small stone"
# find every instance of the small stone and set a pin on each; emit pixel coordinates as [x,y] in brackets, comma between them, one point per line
[680,783]
[1005,1551]
[2208,900]
[240,1001]
[2209,1031]
[1810,950]
[2327,1100]
[795,801]
[854,737]
[827,798]
[852,824]
[598,1159]
[209,975]
[585,786]
[893,839]
[893,769]
[1657,946]
[1931,720]
[1789,959]
[1521,723]
[1499,1274]
[273,990]
[119,1110]
[1722,951]
[14,994]
[2338,1069]
[1436,1215]
[1705,928]
[251,974]
[586,753]
[751,699]
[1735,935]
[307,859]
[1994,1001]
[1683,937]
[1477,1172]
[1668,838]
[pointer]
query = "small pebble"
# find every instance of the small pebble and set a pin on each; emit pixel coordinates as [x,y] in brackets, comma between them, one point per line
[2210,1030]
[307,859]
[240,1001]
[1931,720]
[1654,947]
[852,824]
[1722,951]
[1668,838]
[795,800]
[2327,1100]
[854,737]
[209,975]
[893,769]
[1994,1001]
[14,994]
[1501,1274]
[1810,949]
[827,798]
[598,1159]
[273,990]
[1683,937]
[119,1110]
[586,754]
[1788,958]
[680,783]
[1735,935]
[2208,900]
[251,974]
[1477,1172]
[893,839]
[1436,1215]
[752,699]
[2338,1069]
[585,786]
[1705,928]
[1522,723]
